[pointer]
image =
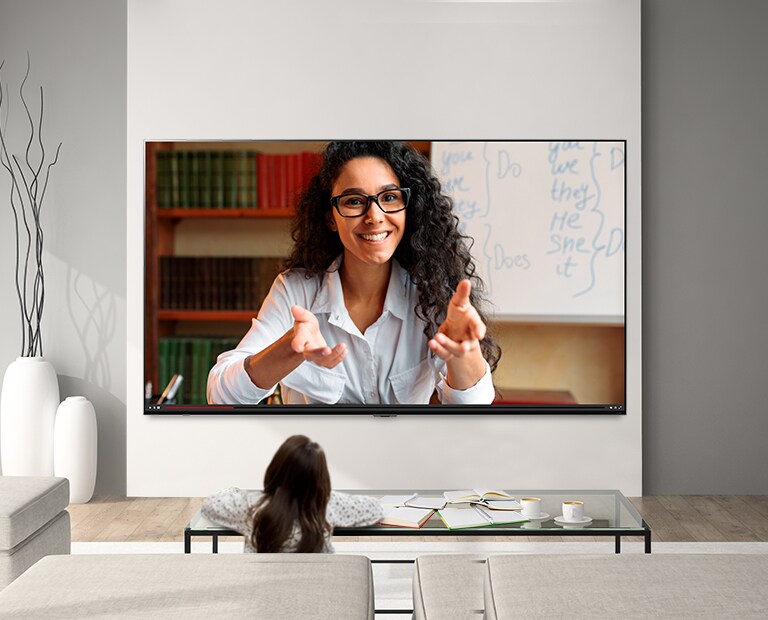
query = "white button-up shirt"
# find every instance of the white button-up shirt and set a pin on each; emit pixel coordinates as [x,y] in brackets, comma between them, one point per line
[389,364]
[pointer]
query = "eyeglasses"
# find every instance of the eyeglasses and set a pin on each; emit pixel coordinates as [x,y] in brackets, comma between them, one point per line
[355,205]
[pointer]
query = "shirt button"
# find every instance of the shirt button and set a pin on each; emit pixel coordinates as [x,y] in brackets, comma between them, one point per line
[372,394]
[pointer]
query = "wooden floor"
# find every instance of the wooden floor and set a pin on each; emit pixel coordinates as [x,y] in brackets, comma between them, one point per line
[672,518]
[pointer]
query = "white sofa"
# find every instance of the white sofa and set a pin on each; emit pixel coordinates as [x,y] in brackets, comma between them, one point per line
[33,522]
[197,586]
[591,586]
[627,586]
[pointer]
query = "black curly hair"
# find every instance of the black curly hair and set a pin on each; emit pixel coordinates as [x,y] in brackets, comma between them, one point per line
[433,251]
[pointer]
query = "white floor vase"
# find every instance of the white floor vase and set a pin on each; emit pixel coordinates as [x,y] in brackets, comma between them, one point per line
[75,447]
[28,406]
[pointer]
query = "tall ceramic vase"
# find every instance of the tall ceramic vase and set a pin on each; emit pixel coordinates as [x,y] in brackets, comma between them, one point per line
[74,447]
[28,406]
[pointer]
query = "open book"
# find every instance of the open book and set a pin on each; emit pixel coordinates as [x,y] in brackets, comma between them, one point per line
[500,504]
[459,518]
[404,516]
[475,495]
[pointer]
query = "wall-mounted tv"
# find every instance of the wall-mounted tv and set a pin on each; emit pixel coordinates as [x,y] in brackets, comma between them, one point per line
[385,277]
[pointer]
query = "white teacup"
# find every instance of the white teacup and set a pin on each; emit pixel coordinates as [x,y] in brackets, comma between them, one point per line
[531,507]
[573,511]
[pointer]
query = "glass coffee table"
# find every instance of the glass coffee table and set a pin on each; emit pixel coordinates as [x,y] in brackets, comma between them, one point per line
[612,515]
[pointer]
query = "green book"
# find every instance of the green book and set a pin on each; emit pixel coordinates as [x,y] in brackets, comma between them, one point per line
[174,364]
[229,180]
[183,179]
[217,180]
[162,185]
[189,367]
[164,374]
[253,201]
[206,347]
[193,182]
[461,518]
[205,179]
[173,157]
[194,370]
[243,180]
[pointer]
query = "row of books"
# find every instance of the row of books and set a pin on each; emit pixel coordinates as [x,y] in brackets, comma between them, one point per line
[192,358]
[281,178]
[206,179]
[216,282]
[232,179]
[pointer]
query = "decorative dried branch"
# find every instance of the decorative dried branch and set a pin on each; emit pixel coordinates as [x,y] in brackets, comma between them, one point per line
[26,200]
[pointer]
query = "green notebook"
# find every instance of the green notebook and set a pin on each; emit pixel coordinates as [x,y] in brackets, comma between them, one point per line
[475,516]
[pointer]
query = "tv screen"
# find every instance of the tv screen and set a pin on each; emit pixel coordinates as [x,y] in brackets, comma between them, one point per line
[385,278]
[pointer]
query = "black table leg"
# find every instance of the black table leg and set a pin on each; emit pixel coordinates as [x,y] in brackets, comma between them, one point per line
[215,543]
[648,541]
[618,544]
[187,543]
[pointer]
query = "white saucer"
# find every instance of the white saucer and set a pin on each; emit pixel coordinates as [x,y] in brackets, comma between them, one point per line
[560,520]
[542,517]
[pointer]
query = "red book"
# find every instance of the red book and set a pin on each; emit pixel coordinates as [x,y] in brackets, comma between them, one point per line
[282,181]
[291,164]
[262,181]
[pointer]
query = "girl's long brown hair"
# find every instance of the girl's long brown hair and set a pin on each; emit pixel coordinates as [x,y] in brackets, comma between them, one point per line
[297,487]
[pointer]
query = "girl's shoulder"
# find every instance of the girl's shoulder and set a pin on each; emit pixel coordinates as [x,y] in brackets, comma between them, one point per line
[299,279]
[231,508]
[234,498]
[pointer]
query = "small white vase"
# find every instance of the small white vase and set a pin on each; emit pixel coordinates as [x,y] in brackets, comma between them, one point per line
[75,447]
[28,406]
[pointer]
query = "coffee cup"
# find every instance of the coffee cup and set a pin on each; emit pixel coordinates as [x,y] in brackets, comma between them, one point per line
[531,507]
[573,511]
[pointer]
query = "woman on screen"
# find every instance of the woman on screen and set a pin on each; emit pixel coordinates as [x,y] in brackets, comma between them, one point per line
[297,511]
[380,302]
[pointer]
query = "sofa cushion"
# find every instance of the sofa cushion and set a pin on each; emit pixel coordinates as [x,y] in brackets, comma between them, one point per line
[197,586]
[51,539]
[448,586]
[627,586]
[27,503]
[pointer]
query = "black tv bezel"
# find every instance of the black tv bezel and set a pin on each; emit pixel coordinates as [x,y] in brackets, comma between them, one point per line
[386,411]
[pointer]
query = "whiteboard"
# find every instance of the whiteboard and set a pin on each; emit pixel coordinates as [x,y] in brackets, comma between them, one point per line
[547,220]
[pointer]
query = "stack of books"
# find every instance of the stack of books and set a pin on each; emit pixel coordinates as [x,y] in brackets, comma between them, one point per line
[484,507]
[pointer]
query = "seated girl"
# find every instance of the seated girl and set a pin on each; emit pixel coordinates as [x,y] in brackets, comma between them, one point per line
[297,511]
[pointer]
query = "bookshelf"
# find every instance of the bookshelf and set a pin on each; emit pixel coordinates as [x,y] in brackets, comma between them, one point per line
[175,194]
[217,214]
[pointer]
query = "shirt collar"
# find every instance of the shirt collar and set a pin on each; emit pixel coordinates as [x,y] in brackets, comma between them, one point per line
[330,297]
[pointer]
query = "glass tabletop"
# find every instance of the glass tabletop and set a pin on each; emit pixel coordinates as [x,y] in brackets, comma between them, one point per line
[609,510]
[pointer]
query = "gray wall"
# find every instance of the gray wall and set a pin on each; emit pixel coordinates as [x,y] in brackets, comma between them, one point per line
[705,161]
[78,53]
[705,221]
